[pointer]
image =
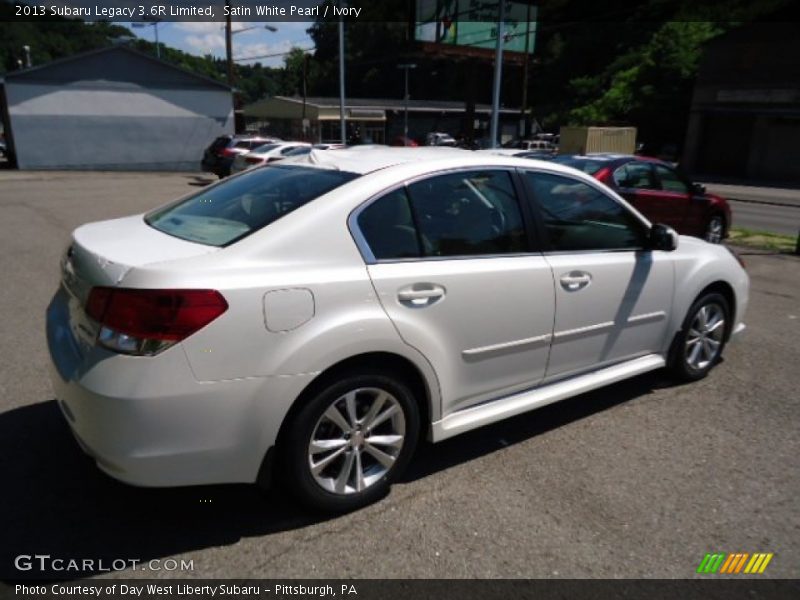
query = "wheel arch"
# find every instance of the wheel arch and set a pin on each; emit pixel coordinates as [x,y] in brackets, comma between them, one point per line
[392,362]
[726,291]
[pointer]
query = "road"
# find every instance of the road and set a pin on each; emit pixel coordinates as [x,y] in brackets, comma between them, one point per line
[639,479]
[766,217]
[775,210]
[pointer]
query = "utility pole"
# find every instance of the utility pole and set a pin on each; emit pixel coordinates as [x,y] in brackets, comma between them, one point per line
[305,78]
[498,73]
[406,97]
[229,43]
[341,79]
[524,106]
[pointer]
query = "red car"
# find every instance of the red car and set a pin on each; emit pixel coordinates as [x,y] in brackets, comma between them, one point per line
[659,192]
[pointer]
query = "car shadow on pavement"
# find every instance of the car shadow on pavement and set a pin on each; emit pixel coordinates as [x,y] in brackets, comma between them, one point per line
[56,502]
[432,458]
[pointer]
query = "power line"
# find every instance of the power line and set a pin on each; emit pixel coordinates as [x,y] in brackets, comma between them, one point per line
[243,58]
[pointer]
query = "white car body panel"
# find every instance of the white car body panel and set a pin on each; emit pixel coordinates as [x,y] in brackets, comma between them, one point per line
[508,304]
[207,409]
[621,314]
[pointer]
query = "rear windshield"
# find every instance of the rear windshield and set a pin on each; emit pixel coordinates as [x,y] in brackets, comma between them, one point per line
[587,165]
[236,208]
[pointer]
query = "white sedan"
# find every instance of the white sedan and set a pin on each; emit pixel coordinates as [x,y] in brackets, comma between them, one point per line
[265,154]
[316,318]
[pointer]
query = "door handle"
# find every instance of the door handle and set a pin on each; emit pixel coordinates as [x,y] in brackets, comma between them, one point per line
[575,280]
[419,295]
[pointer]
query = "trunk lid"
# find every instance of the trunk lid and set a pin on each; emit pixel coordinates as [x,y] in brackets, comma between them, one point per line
[102,253]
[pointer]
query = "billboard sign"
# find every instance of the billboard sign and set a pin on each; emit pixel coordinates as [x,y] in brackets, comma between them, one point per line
[473,24]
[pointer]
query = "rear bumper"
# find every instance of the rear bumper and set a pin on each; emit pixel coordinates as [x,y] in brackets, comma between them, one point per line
[147,421]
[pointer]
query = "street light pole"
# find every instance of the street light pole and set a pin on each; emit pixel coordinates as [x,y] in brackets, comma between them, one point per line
[154,21]
[405,68]
[498,73]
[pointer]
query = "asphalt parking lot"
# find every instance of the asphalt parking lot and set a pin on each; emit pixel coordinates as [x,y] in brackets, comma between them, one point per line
[639,479]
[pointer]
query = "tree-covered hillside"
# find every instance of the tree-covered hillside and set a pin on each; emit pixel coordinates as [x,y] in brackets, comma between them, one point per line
[55,37]
[594,63]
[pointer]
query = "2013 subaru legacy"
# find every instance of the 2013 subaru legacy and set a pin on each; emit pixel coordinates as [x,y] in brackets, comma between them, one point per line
[310,321]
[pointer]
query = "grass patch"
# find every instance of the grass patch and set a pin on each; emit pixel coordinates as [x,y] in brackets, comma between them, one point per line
[763,239]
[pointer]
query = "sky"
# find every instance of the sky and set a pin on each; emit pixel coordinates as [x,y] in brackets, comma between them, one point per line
[201,38]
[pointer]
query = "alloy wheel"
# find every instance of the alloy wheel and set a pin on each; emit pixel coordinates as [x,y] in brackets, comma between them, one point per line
[356,441]
[705,336]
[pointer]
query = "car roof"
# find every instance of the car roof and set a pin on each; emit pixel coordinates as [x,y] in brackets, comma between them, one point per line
[368,159]
[501,151]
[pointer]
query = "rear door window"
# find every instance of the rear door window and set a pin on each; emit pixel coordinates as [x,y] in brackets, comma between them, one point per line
[468,213]
[388,227]
[238,207]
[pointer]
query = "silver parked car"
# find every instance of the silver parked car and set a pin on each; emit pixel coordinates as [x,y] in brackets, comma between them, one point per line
[311,321]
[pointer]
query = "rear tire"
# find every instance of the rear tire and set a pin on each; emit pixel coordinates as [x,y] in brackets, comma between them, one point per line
[699,344]
[350,441]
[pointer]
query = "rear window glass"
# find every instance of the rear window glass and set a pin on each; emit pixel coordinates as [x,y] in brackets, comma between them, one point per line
[587,165]
[238,207]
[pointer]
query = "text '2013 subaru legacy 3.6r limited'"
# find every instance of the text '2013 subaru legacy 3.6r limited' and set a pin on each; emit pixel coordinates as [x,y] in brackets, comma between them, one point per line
[310,321]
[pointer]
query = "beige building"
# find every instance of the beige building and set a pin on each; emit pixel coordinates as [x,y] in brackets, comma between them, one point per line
[378,121]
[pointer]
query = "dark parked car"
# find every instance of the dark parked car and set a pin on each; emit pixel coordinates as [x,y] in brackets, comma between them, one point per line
[219,156]
[659,191]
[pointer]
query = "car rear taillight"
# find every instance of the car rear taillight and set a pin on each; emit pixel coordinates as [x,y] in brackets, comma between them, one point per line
[228,152]
[602,174]
[146,322]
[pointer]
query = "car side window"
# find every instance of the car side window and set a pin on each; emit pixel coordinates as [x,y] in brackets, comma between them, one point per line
[468,213]
[670,180]
[388,227]
[637,176]
[578,216]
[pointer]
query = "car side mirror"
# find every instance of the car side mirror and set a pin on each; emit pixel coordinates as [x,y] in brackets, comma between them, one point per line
[699,189]
[663,237]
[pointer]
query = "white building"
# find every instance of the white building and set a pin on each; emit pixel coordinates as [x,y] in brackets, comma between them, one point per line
[112,109]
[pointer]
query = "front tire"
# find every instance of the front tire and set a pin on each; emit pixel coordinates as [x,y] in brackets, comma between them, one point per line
[715,229]
[350,440]
[699,344]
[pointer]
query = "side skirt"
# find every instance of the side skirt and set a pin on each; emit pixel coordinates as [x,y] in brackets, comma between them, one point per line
[496,410]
